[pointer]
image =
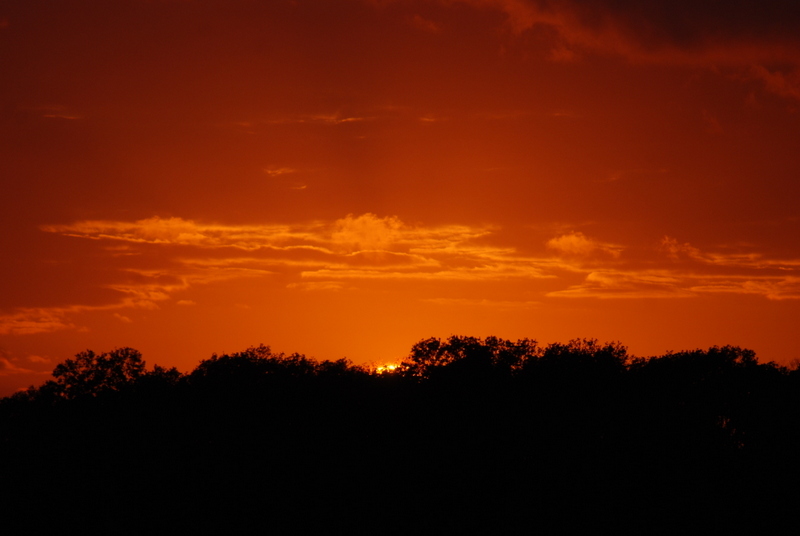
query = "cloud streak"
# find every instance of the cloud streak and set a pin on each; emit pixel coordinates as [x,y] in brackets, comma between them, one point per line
[165,258]
[687,271]
[161,259]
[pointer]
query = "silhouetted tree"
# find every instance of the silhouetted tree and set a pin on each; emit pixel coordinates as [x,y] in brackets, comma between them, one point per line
[468,355]
[584,357]
[158,381]
[90,374]
[250,367]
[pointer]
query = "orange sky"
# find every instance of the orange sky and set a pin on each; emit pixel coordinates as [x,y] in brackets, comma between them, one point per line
[345,178]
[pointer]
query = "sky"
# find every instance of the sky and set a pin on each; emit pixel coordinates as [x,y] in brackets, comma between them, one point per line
[345,178]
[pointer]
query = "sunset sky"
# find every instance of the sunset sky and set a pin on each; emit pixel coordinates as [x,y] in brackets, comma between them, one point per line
[343,178]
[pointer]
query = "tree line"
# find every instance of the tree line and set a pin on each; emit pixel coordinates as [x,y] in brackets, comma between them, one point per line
[465,434]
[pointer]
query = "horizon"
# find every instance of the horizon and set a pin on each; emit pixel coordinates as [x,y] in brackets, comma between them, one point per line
[342,180]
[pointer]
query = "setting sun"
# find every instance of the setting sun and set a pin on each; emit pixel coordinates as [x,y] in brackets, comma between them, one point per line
[386,369]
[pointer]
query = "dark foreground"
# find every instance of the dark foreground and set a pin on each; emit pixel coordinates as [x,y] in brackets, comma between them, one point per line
[469,436]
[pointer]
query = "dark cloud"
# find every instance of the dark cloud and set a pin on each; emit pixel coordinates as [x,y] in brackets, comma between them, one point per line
[745,29]
[689,25]
[758,39]
[734,31]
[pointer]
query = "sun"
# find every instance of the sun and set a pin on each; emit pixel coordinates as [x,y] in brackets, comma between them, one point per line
[386,369]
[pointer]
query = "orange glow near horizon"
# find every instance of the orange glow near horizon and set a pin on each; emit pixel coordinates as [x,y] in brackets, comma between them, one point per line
[386,369]
[344,179]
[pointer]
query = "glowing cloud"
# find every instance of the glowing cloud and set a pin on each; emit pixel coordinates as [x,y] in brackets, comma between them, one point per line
[366,232]
[344,254]
[628,285]
[177,231]
[577,244]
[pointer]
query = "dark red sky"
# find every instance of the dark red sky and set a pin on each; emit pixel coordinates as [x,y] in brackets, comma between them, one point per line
[345,178]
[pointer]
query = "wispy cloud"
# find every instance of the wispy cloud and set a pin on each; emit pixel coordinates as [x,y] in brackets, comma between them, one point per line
[578,245]
[277,171]
[687,271]
[12,365]
[7,367]
[165,258]
[421,23]
[177,231]
[626,284]
[649,284]
[58,112]
[31,320]
[483,303]
[318,286]
[321,119]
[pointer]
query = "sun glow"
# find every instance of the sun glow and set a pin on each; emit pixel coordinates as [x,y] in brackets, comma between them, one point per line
[386,369]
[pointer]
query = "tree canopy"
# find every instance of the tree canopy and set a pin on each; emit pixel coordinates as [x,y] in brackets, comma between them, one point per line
[89,374]
[466,434]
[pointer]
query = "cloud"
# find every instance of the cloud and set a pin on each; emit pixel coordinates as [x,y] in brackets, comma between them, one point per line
[57,112]
[144,291]
[577,244]
[659,27]
[691,272]
[626,284]
[320,119]
[165,258]
[275,171]
[426,25]
[30,320]
[676,250]
[7,368]
[481,273]
[754,38]
[737,259]
[366,232]
[432,119]
[62,116]
[784,84]
[773,288]
[317,286]
[177,231]
[11,365]
[483,303]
